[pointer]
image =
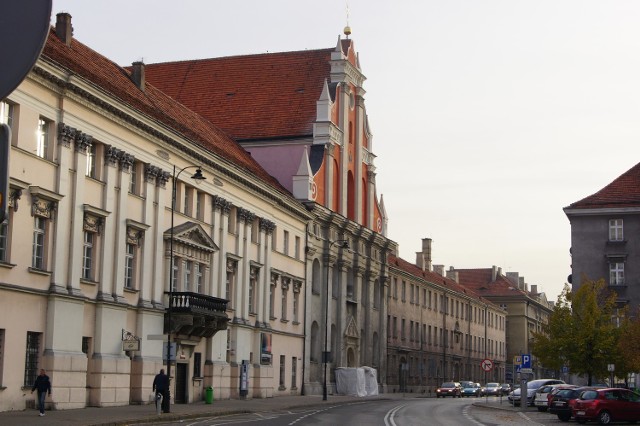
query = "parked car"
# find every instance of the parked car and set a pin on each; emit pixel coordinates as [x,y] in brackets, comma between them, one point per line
[449,389]
[472,389]
[532,386]
[562,399]
[493,389]
[541,397]
[607,405]
[506,388]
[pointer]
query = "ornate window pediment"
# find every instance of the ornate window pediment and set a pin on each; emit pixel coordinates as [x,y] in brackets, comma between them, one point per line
[191,242]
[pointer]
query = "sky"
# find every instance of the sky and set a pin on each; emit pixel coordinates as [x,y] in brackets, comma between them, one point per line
[488,117]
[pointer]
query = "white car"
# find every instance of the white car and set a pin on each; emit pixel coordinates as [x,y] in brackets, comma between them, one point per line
[541,398]
[532,387]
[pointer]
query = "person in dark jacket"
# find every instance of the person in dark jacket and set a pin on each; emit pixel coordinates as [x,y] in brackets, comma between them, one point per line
[43,386]
[161,386]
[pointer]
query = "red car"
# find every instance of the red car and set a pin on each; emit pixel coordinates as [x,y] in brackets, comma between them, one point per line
[449,389]
[607,405]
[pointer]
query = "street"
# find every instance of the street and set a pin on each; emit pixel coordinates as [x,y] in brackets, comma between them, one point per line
[406,412]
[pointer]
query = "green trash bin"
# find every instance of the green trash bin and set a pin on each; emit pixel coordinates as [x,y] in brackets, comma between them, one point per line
[208,395]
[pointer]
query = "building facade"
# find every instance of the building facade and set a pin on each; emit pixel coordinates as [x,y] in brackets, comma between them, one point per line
[603,226]
[109,247]
[305,122]
[526,311]
[438,330]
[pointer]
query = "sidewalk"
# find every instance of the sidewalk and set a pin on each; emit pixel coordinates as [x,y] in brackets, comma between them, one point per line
[128,414]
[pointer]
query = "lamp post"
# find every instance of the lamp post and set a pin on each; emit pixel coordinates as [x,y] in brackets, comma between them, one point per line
[343,244]
[198,177]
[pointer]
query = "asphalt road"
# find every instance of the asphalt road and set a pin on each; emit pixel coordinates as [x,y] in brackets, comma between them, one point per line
[410,412]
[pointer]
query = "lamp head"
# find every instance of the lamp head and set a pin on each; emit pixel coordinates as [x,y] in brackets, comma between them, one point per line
[198,175]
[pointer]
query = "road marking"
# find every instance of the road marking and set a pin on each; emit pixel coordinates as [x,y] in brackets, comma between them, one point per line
[388,418]
[465,413]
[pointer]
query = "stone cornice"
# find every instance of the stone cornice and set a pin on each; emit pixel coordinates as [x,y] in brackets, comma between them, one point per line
[72,87]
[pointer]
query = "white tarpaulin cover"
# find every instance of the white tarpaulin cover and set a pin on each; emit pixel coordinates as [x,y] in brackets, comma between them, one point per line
[360,381]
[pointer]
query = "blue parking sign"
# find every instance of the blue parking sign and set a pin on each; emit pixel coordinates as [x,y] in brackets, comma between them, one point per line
[526,361]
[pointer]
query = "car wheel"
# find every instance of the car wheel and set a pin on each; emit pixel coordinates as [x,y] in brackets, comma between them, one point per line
[604,418]
[564,417]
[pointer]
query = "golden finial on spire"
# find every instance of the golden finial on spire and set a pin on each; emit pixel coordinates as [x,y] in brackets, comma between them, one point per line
[347,29]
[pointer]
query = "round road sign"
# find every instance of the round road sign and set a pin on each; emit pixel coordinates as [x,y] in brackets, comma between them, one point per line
[486,364]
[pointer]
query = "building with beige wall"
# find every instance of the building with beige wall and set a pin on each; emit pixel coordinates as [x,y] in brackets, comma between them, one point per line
[85,255]
[438,330]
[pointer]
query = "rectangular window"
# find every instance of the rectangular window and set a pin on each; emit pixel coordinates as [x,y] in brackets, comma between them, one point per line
[294,372]
[134,175]
[395,288]
[39,234]
[285,243]
[402,329]
[31,358]
[296,248]
[43,135]
[186,275]
[395,327]
[86,345]
[616,273]
[283,314]
[87,256]
[197,271]
[616,230]
[252,293]
[4,243]
[412,295]
[283,362]
[91,161]
[404,291]
[174,274]
[197,364]
[199,197]
[6,114]
[272,299]
[296,302]
[129,265]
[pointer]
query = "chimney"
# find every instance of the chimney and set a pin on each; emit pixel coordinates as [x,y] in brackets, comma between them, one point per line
[534,289]
[439,269]
[137,74]
[426,254]
[494,273]
[64,29]
[452,274]
[521,283]
[514,277]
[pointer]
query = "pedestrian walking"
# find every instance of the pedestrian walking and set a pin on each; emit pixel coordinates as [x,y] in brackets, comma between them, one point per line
[43,386]
[161,386]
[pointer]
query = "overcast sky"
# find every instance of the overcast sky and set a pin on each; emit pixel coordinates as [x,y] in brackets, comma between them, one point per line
[488,117]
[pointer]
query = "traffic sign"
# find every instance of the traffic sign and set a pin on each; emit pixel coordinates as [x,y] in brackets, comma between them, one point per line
[517,360]
[486,364]
[526,370]
[526,361]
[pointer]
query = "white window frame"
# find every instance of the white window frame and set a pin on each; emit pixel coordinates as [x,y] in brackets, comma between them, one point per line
[129,266]
[616,273]
[616,230]
[43,137]
[38,253]
[88,255]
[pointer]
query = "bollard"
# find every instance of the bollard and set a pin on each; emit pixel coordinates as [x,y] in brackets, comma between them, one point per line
[158,403]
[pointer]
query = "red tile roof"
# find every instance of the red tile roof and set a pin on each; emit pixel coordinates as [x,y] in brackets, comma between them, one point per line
[115,80]
[481,281]
[622,192]
[433,277]
[262,96]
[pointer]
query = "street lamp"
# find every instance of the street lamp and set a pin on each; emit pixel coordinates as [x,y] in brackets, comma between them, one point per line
[198,177]
[343,244]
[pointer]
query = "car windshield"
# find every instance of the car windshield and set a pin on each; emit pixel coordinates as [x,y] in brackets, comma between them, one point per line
[493,385]
[589,395]
[535,384]
[566,392]
[448,385]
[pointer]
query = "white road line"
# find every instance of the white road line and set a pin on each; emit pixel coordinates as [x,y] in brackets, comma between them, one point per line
[527,418]
[388,418]
[465,413]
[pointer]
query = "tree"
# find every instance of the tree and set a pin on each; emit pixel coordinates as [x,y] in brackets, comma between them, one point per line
[629,346]
[581,333]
